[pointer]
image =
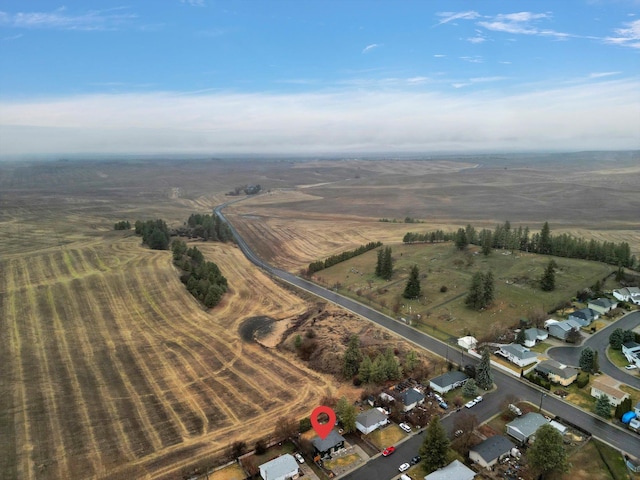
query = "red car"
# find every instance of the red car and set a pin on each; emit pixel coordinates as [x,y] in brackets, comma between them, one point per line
[388,451]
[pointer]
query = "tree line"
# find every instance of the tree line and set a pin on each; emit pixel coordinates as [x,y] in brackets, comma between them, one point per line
[123,225]
[205,226]
[155,233]
[203,279]
[341,257]
[504,236]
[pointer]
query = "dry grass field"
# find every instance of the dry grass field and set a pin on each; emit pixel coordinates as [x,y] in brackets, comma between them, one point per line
[110,369]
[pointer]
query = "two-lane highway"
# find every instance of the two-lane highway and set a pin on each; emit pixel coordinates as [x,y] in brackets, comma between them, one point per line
[624,440]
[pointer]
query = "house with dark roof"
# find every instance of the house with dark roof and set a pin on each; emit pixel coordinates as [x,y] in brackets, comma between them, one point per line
[518,354]
[331,444]
[584,316]
[491,451]
[369,420]
[283,467]
[455,470]
[448,381]
[557,372]
[602,305]
[410,398]
[561,329]
[524,427]
[533,335]
[628,294]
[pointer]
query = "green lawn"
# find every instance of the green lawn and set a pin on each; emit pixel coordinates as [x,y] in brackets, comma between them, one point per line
[444,314]
[384,437]
[616,357]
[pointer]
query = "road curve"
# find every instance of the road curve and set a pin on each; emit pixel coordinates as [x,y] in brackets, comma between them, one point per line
[620,438]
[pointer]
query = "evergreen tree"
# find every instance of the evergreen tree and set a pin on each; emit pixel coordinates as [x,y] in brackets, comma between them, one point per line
[379,263]
[470,389]
[544,243]
[595,367]
[603,406]
[352,357]
[548,280]
[435,446]
[586,359]
[385,263]
[520,337]
[628,336]
[484,377]
[364,372]
[412,290]
[547,454]
[470,233]
[378,370]
[488,293]
[486,242]
[616,339]
[346,413]
[410,361]
[391,366]
[461,239]
[475,296]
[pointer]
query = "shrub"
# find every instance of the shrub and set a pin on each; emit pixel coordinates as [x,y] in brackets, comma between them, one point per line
[305,425]
[261,447]
[443,288]
[582,380]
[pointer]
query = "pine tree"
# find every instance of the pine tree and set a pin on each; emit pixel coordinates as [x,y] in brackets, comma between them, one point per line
[378,370]
[521,337]
[547,454]
[488,293]
[391,366]
[385,264]
[475,296]
[352,357]
[470,388]
[595,367]
[364,372]
[461,239]
[586,359]
[544,243]
[486,242]
[548,280]
[412,290]
[616,339]
[603,406]
[435,447]
[379,263]
[484,377]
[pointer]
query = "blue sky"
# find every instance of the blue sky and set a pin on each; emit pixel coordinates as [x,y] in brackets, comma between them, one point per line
[310,77]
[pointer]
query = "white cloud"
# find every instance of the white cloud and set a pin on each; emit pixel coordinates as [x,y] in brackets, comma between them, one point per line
[451,16]
[476,39]
[521,23]
[194,3]
[521,16]
[368,48]
[628,36]
[603,74]
[583,116]
[474,59]
[108,19]
[439,55]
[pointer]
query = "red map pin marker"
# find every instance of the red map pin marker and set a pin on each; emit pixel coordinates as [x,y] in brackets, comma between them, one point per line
[323,429]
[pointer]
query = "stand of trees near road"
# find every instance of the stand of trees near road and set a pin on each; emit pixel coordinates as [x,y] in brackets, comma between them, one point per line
[508,238]
[207,227]
[341,257]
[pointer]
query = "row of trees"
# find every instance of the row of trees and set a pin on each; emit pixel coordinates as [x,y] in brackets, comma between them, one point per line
[384,264]
[205,226]
[341,257]
[155,233]
[203,279]
[620,336]
[506,237]
[122,225]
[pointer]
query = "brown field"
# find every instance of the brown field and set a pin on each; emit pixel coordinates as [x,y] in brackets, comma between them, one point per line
[109,369]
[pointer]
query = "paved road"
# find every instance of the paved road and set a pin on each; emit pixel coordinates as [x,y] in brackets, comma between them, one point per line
[384,468]
[599,341]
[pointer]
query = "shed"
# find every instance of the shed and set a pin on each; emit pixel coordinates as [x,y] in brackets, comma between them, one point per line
[283,467]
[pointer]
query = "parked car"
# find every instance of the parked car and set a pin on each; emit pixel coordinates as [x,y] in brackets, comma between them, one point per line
[478,399]
[470,403]
[631,367]
[298,457]
[443,405]
[415,460]
[405,477]
[388,451]
[458,433]
[405,427]
[404,467]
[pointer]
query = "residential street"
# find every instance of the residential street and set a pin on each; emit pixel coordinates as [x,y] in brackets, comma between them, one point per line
[599,341]
[385,468]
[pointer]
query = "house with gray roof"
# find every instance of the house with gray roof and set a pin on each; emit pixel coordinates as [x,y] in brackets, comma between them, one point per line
[369,420]
[631,350]
[410,398]
[602,305]
[455,470]
[491,451]
[557,372]
[561,329]
[330,444]
[584,316]
[448,381]
[533,335]
[524,427]
[518,354]
[628,294]
[283,467]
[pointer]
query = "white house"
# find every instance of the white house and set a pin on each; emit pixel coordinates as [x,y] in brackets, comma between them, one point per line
[631,350]
[455,470]
[561,329]
[448,381]
[609,387]
[517,354]
[369,420]
[628,294]
[491,451]
[283,467]
[410,398]
[602,305]
[468,342]
[533,335]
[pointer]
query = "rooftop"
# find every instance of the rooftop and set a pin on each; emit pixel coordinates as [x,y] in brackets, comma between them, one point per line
[370,417]
[518,351]
[455,470]
[557,368]
[493,447]
[330,441]
[449,378]
[280,466]
[411,396]
[528,424]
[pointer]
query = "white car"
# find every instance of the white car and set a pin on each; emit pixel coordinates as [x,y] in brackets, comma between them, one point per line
[478,399]
[298,457]
[404,467]
[405,427]
[470,403]
[631,367]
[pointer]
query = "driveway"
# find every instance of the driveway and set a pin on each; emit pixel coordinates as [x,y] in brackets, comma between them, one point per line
[599,342]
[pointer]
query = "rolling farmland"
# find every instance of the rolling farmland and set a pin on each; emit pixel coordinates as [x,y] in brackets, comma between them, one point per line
[117,372]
